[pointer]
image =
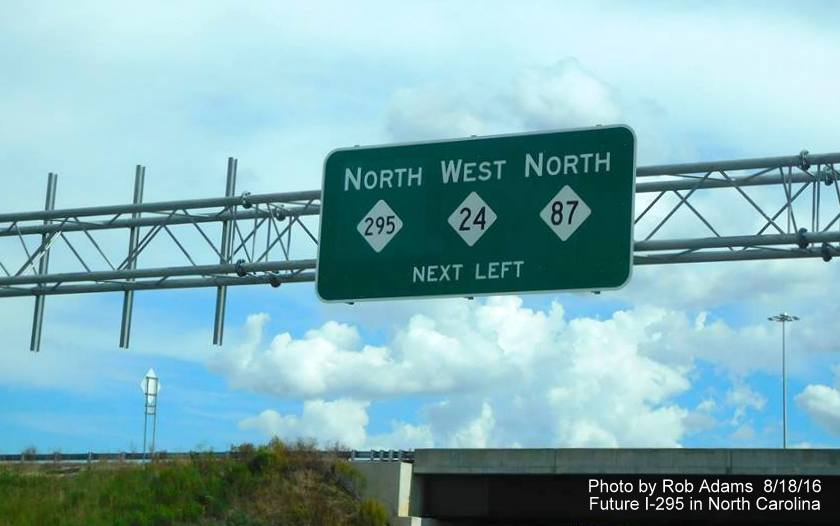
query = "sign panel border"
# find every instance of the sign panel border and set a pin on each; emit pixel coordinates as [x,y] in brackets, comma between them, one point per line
[631,219]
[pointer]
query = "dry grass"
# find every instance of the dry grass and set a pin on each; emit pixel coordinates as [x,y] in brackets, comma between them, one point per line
[274,484]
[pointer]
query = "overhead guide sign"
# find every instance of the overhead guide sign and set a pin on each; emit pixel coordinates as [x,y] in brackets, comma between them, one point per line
[490,215]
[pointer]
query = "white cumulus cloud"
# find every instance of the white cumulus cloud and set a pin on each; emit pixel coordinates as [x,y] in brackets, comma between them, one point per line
[743,398]
[498,374]
[822,403]
[341,421]
[564,95]
[561,95]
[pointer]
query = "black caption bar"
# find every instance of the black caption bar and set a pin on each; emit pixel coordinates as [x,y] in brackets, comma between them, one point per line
[722,499]
[632,499]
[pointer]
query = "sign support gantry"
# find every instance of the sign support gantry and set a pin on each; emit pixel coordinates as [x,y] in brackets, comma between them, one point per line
[738,210]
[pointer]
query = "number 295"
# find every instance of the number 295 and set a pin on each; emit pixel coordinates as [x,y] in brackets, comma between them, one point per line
[380,225]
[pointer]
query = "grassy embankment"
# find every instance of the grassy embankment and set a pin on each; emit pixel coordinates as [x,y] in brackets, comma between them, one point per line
[273,484]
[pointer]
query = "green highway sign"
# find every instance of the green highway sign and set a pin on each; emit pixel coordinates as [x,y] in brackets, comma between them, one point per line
[532,212]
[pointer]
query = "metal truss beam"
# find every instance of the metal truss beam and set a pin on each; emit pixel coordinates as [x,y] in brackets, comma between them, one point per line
[802,159]
[245,200]
[160,272]
[182,216]
[774,208]
[163,284]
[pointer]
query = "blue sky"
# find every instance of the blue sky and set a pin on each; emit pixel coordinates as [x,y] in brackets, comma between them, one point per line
[683,356]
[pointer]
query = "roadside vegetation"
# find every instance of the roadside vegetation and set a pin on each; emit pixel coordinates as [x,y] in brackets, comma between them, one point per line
[273,484]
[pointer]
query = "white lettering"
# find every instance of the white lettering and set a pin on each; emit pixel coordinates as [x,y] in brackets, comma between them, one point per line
[555,162]
[586,157]
[505,267]
[531,164]
[478,275]
[457,267]
[350,177]
[370,179]
[499,165]
[583,163]
[571,164]
[456,170]
[599,162]
[430,271]
[385,176]
[450,171]
[415,176]
[484,168]
[468,170]
[498,269]
[437,273]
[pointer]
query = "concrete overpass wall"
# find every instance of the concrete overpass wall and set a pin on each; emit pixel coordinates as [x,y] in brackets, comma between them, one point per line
[531,486]
[627,461]
[390,484]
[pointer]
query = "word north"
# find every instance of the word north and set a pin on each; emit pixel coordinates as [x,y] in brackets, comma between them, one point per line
[385,178]
[583,163]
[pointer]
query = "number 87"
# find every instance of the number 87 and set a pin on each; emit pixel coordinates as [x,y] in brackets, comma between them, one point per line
[557,211]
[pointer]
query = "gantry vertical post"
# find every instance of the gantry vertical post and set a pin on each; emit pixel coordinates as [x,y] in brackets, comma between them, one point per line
[134,234]
[43,267]
[227,238]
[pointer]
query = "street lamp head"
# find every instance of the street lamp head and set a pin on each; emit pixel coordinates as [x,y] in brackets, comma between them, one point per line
[783,317]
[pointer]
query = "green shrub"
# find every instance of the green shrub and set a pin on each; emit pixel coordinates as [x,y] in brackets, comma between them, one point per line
[276,483]
[372,513]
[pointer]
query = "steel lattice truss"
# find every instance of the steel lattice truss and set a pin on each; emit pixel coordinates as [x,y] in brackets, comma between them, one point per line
[771,208]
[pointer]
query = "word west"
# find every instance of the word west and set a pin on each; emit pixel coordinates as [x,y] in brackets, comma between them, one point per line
[453,272]
[469,172]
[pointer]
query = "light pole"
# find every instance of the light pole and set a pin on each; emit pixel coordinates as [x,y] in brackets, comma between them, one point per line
[151,387]
[784,318]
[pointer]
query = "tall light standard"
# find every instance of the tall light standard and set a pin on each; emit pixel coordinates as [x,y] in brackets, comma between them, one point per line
[151,387]
[783,318]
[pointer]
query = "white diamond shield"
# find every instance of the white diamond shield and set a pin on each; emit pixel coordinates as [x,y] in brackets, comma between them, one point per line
[379,226]
[565,213]
[472,218]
